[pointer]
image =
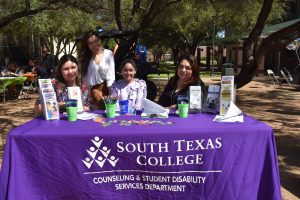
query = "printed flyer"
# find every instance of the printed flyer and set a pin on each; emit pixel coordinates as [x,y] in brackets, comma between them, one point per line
[212,99]
[75,93]
[48,99]
[195,98]
[227,93]
[50,106]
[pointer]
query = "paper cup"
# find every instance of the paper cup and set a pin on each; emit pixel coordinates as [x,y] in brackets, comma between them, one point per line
[110,110]
[123,106]
[72,113]
[183,110]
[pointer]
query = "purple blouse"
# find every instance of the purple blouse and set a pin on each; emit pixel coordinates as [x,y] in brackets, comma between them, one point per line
[134,92]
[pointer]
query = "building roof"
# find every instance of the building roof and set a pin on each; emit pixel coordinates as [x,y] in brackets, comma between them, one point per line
[265,33]
[274,28]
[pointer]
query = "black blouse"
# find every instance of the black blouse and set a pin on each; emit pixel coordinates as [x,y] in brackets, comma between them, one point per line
[169,95]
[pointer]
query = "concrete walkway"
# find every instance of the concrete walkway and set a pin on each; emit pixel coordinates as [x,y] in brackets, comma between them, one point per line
[279,107]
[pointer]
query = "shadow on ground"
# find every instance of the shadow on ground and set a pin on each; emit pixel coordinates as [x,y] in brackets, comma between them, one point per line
[279,108]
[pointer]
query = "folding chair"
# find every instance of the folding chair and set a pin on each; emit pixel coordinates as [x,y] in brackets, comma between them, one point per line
[286,78]
[275,79]
[27,90]
[287,73]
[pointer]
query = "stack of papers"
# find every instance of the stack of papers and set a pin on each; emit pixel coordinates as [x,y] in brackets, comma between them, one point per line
[152,109]
[233,114]
[86,115]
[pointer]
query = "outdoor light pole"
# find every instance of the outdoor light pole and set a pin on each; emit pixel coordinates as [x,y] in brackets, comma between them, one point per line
[213,47]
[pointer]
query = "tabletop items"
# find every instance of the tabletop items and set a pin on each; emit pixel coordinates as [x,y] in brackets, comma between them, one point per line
[48,99]
[218,100]
[71,107]
[104,123]
[233,114]
[75,93]
[195,99]
[227,93]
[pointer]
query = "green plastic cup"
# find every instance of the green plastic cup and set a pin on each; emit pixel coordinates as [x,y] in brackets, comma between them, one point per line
[110,110]
[183,110]
[72,113]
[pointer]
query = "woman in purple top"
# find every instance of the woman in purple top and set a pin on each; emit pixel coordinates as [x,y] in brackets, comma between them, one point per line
[129,88]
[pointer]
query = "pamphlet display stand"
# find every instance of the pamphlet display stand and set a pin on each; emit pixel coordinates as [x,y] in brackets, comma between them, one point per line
[48,99]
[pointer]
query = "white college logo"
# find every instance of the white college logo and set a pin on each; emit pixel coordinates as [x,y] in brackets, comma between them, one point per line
[99,154]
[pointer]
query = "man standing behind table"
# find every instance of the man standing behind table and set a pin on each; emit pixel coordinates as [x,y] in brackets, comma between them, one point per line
[50,62]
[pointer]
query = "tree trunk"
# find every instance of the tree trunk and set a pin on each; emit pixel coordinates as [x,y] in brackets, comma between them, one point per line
[250,63]
[126,49]
[175,54]
[193,48]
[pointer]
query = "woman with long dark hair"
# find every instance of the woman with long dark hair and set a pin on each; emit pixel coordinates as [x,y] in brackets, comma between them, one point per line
[98,66]
[187,74]
[130,88]
[68,75]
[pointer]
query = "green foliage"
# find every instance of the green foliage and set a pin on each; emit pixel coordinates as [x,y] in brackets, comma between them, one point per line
[65,24]
[190,23]
[240,16]
[182,25]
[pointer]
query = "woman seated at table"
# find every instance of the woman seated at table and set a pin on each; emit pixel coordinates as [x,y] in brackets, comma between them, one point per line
[68,75]
[14,70]
[187,74]
[129,88]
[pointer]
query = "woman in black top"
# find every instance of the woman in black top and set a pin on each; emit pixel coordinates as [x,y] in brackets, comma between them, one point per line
[187,74]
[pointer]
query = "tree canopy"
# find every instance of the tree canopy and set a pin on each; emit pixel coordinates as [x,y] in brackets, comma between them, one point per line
[175,24]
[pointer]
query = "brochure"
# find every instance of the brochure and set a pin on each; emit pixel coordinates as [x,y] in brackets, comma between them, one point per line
[227,93]
[75,93]
[212,99]
[195,99]
[48,99]
[50,106]
[45,83]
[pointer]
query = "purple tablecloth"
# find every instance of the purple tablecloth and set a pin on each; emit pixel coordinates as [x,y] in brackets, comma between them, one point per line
[193,158]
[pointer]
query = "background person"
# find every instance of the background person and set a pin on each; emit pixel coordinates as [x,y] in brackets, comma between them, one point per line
[14,70]
[98,65]
[50,62]
[187,74]
[130,88]
[31,64]
[40,70]
[68,75]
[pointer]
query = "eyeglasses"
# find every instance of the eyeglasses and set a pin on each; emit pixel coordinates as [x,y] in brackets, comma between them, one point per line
[94,42]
